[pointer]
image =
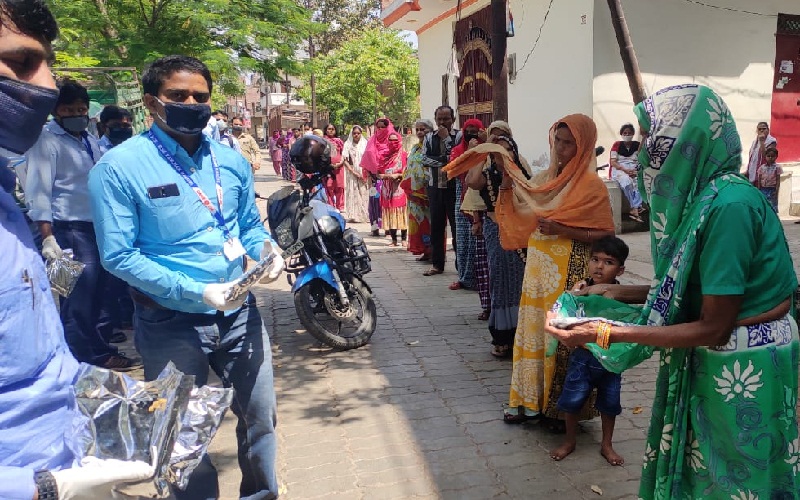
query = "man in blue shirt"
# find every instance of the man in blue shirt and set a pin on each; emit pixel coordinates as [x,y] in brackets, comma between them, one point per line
[175,214]
[37,370]
[116,125]
[57,192]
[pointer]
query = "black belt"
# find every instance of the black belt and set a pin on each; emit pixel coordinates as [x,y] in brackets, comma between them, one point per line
[144,300]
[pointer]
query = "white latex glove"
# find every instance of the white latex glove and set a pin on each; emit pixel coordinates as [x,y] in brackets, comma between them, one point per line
[214,296]
[276,268]
[96,478]
[50,248]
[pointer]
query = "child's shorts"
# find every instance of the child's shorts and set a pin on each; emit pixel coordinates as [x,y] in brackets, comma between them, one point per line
[584,373]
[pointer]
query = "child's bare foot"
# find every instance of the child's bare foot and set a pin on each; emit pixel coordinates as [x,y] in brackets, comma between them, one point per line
[611,456]
[563,451]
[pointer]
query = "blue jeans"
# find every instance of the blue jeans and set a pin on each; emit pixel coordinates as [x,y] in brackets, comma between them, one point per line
[585,372]
[771,194]
[86,327]
[237,348]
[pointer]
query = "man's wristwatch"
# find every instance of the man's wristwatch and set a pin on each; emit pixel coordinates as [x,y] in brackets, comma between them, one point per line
[46,486]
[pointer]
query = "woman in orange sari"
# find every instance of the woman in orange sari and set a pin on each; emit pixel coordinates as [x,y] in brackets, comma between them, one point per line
[556,214]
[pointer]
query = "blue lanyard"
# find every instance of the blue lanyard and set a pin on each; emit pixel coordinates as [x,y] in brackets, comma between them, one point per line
[87,145]
[215,212]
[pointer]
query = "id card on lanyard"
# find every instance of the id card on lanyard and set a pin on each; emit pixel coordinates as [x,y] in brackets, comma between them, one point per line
[232,248]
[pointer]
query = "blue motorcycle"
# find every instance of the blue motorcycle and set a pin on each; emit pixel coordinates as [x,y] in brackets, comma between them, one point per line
[325,264]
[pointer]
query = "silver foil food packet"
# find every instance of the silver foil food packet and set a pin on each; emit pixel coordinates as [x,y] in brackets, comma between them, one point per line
[198,424]
[126,419]
[253,275]
[63,273]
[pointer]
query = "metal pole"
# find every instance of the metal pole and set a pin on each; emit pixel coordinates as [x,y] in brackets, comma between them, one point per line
[499,65]
[629,61]
[313,86]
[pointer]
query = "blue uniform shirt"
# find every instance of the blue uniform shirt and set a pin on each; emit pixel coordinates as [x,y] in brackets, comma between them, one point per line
[170,246]
[57,172]
[36,368]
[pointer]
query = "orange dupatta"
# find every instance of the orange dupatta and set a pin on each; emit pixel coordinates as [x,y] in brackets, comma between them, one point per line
[576,197]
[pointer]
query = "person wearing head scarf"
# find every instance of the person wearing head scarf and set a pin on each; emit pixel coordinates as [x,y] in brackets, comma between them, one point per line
[276,151]
[334,185]
[556,215]
[473,134]
[356,182]
[724,421]
[415,183]
[393,199]
[506,267]
[762,142]
[377,148]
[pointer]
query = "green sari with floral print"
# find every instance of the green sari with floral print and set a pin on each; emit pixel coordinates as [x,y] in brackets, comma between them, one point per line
[724,418]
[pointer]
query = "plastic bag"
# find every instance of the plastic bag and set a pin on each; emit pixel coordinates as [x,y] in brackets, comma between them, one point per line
[620,355]
[63,273]
[164,422]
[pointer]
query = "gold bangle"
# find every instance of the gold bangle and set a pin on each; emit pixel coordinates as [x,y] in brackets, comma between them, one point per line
[603,334]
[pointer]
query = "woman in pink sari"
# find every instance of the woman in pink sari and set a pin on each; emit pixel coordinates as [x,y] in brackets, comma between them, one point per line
[377,147]
[393,198]
[335,184]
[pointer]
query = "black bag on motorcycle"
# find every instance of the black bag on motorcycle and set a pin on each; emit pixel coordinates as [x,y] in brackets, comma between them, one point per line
[283,213]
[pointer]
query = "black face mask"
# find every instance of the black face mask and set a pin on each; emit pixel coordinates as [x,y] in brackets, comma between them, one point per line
[74,124]
[26,107]
[469,137]
[118,135]
[188,119]
[237,128]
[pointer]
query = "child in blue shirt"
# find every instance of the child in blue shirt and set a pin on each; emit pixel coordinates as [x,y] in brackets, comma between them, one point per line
[584,371]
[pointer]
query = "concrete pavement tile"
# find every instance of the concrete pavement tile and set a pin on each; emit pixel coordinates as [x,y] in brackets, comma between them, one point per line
[314,488]
[410,490]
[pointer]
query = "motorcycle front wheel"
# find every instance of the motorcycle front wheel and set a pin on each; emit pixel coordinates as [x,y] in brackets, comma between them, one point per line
[321,312]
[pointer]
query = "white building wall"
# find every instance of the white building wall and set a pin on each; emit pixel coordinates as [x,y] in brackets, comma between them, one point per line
[556,81]
[679,42]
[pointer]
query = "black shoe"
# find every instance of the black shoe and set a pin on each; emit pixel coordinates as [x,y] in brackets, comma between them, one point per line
[118,338]
[121,363]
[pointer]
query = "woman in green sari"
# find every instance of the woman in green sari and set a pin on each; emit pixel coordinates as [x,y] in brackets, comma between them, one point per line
[724,417]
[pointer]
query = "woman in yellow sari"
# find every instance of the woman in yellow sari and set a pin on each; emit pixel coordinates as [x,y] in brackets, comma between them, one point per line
[556,214]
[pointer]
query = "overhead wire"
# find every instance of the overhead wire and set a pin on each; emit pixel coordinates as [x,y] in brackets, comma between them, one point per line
[538,36]
[729,9]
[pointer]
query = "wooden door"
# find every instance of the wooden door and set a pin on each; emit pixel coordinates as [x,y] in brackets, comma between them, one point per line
[785,123]
[474,58]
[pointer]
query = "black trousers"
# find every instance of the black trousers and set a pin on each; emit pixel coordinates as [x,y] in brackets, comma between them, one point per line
[443,210]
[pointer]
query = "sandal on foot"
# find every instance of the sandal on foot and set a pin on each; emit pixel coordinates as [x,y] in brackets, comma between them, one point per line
[518,415]
[433,271]
[484,315]
[501,351]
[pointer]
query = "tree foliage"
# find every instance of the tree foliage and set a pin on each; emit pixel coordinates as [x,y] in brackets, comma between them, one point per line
[373,75]
[230,36]
[342,21]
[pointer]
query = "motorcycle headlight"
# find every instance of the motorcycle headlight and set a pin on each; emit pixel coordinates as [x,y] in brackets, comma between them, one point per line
[329,226]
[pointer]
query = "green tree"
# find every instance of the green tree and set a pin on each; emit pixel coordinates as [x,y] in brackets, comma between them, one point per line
[230,36]
[372,75]
[342,21]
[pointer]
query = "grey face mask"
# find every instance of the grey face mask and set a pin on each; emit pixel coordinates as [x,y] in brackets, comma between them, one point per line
[75,124]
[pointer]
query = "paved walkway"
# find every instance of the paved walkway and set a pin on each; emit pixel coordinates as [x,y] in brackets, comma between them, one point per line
[417,412]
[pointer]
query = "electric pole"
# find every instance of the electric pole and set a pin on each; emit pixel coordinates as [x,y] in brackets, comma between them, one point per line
[313,84]
[499,67]
[629,61]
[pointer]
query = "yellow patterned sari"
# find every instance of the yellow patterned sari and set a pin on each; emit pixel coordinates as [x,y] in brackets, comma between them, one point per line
[554,264]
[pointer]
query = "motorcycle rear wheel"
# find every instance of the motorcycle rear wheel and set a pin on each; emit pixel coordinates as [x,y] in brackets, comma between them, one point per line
[339,333]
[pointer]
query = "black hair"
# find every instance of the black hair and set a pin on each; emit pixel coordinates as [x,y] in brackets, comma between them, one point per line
[627,126]
[445,106]
[29,17]
[112,112]
[69,92]
[515,152]
[562,125]
[613,246]
[762,123]
[295,129]
[771,148]
[237,117]
[220,112]
[164,67]
[335,130]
